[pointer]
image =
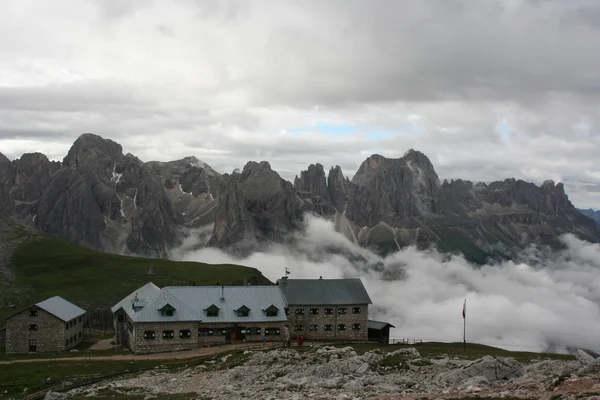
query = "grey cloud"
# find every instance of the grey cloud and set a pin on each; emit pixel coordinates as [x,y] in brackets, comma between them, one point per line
[236,74]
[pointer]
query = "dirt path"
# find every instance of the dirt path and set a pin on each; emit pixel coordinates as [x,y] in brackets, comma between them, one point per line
[205,351]
[105,344]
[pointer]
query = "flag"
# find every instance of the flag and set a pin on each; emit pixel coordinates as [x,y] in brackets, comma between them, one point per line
[464,312]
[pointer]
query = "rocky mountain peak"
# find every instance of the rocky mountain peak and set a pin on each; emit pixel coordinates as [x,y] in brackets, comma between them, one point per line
[90,148]
[312,187]
[3,159]
[368,169]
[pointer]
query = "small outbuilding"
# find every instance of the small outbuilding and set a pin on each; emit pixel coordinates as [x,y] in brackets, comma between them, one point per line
[379,331]
[48,326]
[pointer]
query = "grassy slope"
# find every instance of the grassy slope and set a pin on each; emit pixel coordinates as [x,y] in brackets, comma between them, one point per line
[52,266]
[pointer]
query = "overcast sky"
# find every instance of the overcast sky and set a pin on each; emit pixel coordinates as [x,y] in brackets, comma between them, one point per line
[487,89]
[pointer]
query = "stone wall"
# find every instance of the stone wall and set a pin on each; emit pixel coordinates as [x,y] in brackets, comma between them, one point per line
[73,332]
[49,335]
[2,337]
[201,334]
[335,319]
[139,344]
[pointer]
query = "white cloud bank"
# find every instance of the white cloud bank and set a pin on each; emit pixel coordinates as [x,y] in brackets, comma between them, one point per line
[547,301]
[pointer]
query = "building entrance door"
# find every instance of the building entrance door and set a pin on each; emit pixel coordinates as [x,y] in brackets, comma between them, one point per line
[32,345]
[241,332]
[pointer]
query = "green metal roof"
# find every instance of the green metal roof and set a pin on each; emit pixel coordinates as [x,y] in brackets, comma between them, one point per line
[324,291]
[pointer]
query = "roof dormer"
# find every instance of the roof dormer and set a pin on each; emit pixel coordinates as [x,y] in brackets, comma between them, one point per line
[212,311]
[242,311]
[271,311]
[167,310]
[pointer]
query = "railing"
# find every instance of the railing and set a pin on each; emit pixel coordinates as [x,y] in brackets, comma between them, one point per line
[405,341]
[99,332]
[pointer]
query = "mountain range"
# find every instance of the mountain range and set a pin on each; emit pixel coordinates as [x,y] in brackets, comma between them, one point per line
[103,199]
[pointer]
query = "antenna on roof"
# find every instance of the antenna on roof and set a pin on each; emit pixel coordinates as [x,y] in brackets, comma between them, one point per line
[287,272]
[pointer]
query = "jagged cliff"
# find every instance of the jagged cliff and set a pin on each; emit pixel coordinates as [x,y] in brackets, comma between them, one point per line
[101,198]
[392,203]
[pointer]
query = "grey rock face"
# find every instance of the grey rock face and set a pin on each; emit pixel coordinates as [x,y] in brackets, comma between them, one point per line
[394,191]
[312,188]
[256,204]
[120,204]
[391,203]
[68,208]
[98,197]
[340,189]
[7,204]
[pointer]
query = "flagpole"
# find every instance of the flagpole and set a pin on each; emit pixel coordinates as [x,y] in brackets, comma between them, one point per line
[465,326]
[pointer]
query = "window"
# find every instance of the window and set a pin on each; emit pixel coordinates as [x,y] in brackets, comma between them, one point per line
[328,311]
[243,311]
[314,311]
[313,328]
[167,313]
[185,334]
[120,318]
[67,342]
[79,319]
[254,331]
[205,332]
[299,311]
[75,322]
[287,311]
[212,311]
[271,331]
[149,335]
[168,334]
[70,340]
[33,313]
[33,327]
[299,328]
[66,326]
[356,310]
[79,335]
[341,327]
[356,327]
[341,311]
[272,311]
[328,328]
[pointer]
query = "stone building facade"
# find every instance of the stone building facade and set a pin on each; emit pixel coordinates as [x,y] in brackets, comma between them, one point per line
[152,320]
[327,309]
[329,322]
[50,326]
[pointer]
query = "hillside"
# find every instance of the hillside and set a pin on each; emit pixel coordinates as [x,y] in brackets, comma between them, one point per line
[43,265]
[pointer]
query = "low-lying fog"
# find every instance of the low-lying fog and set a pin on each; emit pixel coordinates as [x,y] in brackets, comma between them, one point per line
[545,301]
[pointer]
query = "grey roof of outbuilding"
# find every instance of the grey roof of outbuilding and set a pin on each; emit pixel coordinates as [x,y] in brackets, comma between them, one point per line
[191,302]
[379,325]
[61,308]
[324,291]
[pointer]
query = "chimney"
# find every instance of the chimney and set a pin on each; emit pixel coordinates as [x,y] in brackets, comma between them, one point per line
[222,293]
[321,277]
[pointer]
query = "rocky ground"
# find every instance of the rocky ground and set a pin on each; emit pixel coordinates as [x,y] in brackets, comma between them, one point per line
[341,373]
